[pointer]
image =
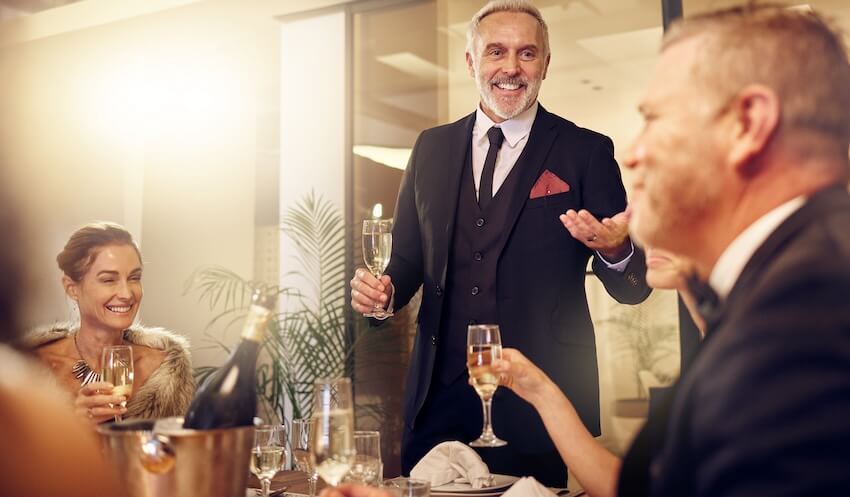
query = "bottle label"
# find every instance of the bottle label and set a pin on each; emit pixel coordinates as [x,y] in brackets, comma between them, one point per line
[256,323]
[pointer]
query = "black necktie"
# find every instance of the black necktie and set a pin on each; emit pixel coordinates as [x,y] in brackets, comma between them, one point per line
[485,188]
[707,300]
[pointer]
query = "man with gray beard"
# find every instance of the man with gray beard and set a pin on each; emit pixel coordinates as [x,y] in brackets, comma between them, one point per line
[497,217]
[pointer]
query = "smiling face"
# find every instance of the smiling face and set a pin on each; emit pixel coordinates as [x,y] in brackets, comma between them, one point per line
[508,63]
[110,292]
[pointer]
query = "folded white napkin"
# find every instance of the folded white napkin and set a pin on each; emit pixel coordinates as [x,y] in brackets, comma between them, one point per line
[452,462]
[527,486]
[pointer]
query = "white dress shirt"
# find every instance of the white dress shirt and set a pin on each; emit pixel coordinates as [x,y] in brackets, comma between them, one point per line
[516,133]
[731,262]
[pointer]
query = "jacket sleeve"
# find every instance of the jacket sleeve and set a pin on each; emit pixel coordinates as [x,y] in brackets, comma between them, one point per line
[605,196]
[406,264]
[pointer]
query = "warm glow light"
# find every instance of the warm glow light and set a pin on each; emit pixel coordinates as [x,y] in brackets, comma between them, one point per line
[164,98]
[377,211]
[393,157]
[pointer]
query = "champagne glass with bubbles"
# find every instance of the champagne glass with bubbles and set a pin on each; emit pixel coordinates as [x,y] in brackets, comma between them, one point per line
[300,442]
[377,247]
[268,454]
[117,368]
[332,439]
[484,344]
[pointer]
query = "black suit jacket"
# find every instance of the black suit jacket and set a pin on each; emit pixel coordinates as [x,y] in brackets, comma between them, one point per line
[540,282]
[765,408]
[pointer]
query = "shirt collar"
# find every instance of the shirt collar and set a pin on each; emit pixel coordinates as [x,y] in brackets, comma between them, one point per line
[731,262]
[514,129]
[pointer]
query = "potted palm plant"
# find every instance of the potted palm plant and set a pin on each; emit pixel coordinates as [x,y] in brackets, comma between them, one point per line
[307,338]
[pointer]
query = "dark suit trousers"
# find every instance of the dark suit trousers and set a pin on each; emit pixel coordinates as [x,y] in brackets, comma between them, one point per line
[453,412]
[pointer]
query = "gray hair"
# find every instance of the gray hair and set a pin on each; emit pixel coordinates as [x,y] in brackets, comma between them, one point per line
[494,6]
[796,53]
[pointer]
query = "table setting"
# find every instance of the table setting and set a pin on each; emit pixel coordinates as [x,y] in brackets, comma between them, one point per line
[324,448]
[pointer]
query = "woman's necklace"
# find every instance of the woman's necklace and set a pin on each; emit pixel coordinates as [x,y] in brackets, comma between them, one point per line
[81,369]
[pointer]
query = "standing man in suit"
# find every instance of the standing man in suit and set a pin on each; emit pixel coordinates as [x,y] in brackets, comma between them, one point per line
[497,217]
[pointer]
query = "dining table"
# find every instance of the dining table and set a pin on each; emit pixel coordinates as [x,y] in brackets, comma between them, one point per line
[295,483]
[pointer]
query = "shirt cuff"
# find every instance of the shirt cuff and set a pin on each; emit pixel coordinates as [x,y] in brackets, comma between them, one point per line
[389,308]
[619,266]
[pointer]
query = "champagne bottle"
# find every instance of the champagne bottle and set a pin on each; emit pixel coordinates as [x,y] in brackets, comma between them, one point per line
[229,396]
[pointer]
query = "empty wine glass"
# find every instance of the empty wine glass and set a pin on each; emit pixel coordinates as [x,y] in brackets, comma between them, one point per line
[300,442]
[377,248]
[332,441]
[117,368]
[268,454]
[367,461]
[483,345]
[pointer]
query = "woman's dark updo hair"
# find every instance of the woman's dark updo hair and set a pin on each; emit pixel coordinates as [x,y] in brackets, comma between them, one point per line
[80,251]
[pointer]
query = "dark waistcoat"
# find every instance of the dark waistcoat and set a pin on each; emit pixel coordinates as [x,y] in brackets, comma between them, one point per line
[473,263]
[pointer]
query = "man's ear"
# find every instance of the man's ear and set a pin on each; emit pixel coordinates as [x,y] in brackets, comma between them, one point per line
[546,66]
[756,113]
[470,64]
[70,287]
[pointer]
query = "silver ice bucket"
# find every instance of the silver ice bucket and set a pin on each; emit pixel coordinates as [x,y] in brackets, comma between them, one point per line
[161,459]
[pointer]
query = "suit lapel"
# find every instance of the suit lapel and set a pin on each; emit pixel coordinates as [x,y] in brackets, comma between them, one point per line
[528,167]
[818,205]
[448,189]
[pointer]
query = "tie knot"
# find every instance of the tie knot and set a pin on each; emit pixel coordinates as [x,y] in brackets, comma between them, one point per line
[495,136]
[707,300]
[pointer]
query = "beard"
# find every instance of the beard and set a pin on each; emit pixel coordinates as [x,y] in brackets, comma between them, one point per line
[507,108]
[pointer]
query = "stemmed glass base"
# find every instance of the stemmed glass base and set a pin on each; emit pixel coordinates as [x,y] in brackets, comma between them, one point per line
[487,438]
[378,313]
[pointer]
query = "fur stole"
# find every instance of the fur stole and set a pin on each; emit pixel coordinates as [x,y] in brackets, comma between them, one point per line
[168,390]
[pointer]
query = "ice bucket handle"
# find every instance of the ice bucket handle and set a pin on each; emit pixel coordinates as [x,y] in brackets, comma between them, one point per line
[156,454]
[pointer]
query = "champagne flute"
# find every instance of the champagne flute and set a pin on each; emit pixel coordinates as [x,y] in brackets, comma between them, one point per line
[377,247]
[268,454]
[300,441]
[332,439]
[483,345]
[367,461]
[117,368]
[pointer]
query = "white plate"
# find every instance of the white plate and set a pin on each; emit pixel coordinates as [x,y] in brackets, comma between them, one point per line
[486,493]
[500,482]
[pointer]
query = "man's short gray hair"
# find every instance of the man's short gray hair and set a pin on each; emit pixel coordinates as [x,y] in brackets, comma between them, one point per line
[494,6]
[797,53]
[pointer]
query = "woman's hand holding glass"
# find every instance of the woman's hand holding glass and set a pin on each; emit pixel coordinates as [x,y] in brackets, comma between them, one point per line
[519,374]
[118,369]
[96,402]
[484,345]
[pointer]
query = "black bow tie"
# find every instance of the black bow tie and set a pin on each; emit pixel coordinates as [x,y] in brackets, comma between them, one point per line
[707,300]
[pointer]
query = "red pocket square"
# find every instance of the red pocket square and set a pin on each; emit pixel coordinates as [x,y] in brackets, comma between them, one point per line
[548,184]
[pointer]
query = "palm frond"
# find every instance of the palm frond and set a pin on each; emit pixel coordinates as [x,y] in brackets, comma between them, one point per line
[310,341]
